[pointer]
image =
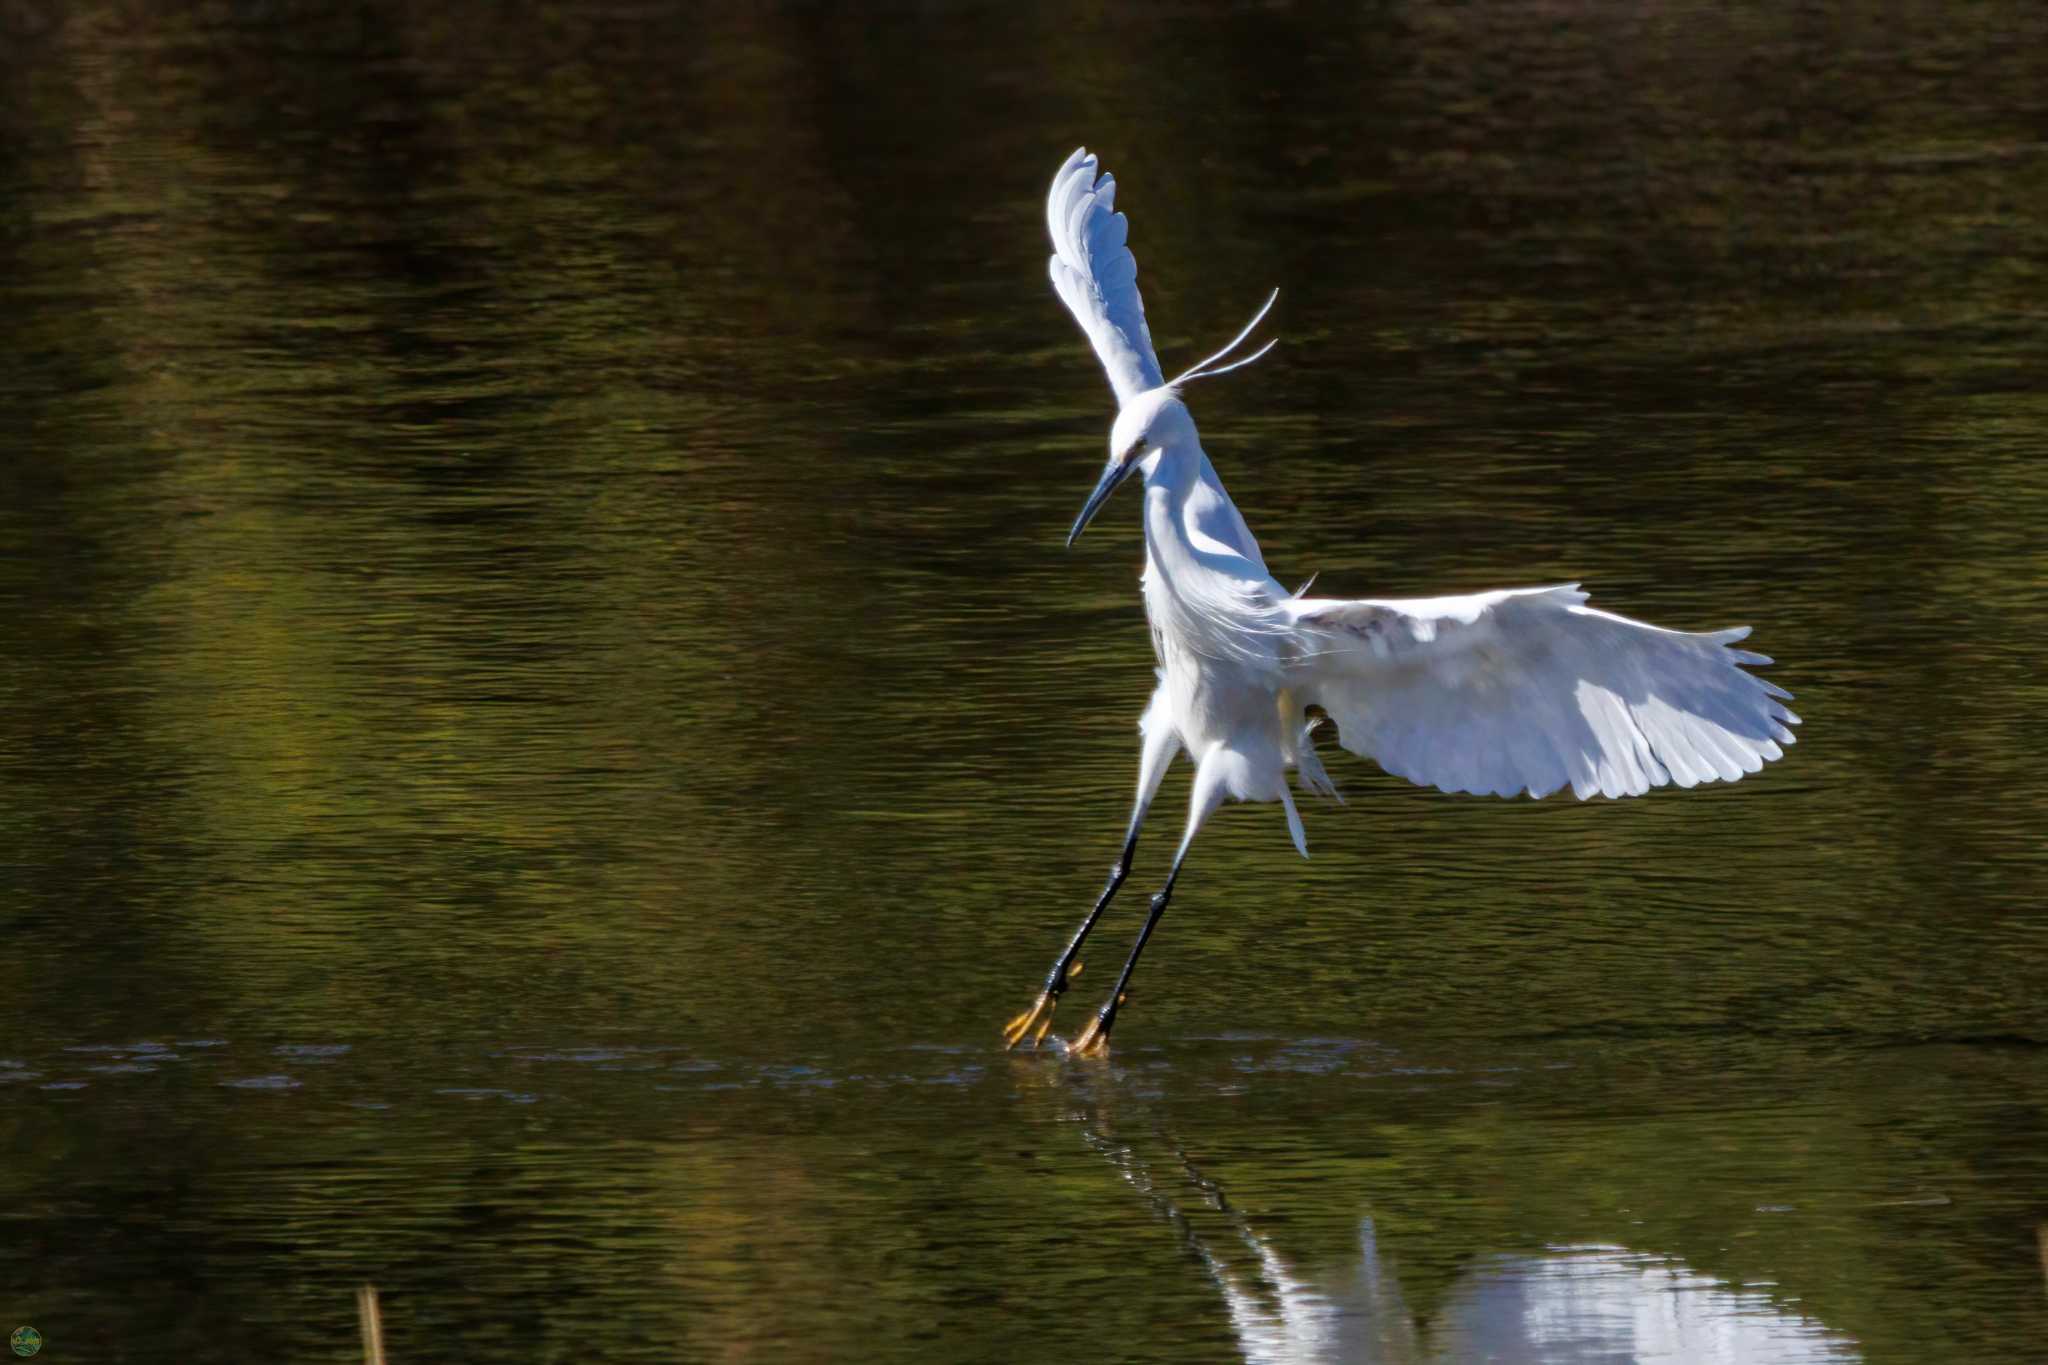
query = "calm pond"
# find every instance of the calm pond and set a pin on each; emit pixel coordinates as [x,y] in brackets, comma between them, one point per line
[547,721]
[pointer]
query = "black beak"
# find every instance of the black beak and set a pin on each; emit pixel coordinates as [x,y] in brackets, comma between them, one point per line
[1114,473]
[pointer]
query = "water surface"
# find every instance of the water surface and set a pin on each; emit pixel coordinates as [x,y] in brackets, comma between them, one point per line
[547,721]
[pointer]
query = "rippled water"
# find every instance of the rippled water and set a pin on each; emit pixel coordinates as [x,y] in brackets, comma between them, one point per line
[547,721]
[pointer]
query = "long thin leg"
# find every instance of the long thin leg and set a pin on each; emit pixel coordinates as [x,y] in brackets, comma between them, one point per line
[1161,743]
[1207,795]
[1056,982]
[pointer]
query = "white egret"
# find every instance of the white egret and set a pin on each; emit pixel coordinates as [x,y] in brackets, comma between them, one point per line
[1525,689]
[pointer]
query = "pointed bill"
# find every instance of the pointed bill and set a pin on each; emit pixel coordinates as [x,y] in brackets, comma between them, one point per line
[1113,473]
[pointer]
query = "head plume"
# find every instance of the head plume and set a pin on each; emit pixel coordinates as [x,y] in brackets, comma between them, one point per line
[1201,369]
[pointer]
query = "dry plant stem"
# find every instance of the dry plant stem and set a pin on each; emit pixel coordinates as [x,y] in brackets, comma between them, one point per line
[371,1321]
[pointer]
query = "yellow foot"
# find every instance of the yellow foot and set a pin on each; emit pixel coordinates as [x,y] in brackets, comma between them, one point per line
[1038,1017]
[1094,1040]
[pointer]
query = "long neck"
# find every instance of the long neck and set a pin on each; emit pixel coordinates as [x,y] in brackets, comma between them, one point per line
[1189,518]
[1206,588]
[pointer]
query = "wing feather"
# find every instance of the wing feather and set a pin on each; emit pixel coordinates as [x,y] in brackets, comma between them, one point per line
[1531,690]
[1096,275]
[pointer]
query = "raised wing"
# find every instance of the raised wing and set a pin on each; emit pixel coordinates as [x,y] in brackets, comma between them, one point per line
[1097,276]
[1530,690]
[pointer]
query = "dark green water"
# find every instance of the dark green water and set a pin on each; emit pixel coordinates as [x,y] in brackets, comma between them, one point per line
[546,722]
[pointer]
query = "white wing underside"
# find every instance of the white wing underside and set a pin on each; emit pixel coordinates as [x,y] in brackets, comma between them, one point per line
[1096,275]
[1530,690]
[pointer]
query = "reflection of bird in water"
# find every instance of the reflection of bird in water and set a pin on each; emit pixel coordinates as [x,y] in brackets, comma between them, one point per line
[1566,1305]
[1498,692]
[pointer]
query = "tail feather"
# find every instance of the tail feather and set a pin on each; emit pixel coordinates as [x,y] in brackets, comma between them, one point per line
[1294,823]
[1308,766]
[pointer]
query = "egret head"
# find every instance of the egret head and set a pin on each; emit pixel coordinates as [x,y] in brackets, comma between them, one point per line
[1152,421]
[1157,420]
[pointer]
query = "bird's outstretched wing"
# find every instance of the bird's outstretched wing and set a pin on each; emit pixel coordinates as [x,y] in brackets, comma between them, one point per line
[1530,690]
[1097,276]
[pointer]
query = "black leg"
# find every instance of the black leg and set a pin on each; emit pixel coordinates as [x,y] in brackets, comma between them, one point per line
[1056,983]
[1095,1038]
[1039,1016]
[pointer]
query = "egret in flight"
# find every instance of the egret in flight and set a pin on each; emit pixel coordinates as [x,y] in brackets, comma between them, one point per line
[1523,689]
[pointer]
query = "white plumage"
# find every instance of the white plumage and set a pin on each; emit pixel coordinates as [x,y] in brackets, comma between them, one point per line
[1531,690]
[1522,690]
[1097,276]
